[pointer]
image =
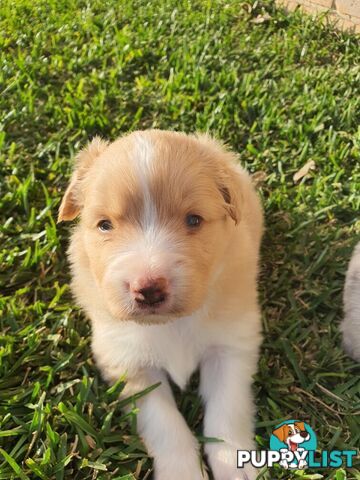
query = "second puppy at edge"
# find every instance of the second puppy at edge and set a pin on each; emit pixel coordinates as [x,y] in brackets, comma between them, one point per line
[164,262]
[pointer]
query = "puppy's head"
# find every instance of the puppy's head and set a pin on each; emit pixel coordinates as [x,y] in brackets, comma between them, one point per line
[156,212]
[292,434]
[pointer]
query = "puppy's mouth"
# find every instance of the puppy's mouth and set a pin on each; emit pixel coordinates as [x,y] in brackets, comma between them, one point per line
[293,446]
[152,308]
[160,311]
[150,305]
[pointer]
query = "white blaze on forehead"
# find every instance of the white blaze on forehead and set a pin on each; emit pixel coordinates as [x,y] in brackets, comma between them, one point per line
[143,163]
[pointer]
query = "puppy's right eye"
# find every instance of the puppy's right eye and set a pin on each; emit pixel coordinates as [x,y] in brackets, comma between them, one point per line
[104,225]
[193,221]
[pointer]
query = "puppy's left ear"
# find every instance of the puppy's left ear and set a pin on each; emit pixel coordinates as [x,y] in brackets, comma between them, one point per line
[71,203]
[230,190]
[300,425]
[229,183]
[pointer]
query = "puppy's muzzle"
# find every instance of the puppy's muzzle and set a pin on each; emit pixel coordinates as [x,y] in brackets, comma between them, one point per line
[150,292]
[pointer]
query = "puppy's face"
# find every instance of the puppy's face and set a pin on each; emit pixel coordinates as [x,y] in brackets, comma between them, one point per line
[292,434]
[156,211]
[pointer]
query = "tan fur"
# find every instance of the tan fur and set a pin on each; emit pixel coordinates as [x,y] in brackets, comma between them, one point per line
[191,175]
[146,184]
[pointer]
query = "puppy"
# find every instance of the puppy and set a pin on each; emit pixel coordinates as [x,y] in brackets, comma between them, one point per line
[292,434]
[164,261]
[351,323]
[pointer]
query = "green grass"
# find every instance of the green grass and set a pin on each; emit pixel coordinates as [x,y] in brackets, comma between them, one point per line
[281,93]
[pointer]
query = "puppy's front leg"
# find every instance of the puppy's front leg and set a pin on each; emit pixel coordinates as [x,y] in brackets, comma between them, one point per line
[226,388]
[164,430]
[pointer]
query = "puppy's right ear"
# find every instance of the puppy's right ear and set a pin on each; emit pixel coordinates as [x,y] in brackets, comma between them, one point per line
[280,433]
[71,203]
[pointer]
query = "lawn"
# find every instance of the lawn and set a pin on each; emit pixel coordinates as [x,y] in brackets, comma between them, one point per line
[279,89]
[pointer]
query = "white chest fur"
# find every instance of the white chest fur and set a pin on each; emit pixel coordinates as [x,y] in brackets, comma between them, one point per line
[126,346]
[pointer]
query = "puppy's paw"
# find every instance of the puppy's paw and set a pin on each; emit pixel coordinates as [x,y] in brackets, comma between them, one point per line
[302,464]
[351,343]
[284,464]
[222,458]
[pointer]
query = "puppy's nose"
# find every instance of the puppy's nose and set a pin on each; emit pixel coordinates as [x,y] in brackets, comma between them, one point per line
[304,434]
[151,293]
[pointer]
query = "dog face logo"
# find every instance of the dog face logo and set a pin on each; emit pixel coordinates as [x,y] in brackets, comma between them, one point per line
[293,439]
[292,434]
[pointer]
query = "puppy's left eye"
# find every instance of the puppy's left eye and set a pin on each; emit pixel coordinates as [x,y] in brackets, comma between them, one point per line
[193,221]
[104,225]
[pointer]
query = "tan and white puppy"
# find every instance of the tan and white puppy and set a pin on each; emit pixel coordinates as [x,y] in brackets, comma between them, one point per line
[164,262]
